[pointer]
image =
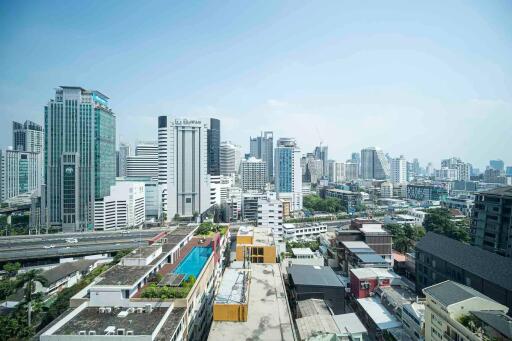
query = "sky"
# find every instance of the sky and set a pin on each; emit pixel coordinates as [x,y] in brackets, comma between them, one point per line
[426,79]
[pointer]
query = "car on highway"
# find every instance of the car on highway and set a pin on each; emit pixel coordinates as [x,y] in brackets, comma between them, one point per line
[49,246]
[71,240]
[125,232]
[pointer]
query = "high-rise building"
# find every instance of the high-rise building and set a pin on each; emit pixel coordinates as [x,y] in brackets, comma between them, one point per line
[463,169]
[230,157]
[182,166]
[497,164]
[491,224]
[122,155]
[262,147]
[351,170]
[214,147]
[145,161]
[336,171]
[27,137]
[374,164]
[80,161]
[398,170]
[20,173]
[508,171]
[288,175]
[253,174]
[321,153]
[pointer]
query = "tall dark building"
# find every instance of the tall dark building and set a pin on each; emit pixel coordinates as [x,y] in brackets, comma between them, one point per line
[262,147]
[491,226]
[213,146]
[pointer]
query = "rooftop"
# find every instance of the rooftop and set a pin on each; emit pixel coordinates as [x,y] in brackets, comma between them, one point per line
[65,269]
[450,292]
[497,320]
[313,325]
[233,287]
[490,266]
[143,252]
[365,273]
[91,319]
[120,275]
[370,258]
[369,229]
[349,324]
[170,325]
[302,251]
[313,275]
[499,191]
[378,313]
[312,306]
[266,290]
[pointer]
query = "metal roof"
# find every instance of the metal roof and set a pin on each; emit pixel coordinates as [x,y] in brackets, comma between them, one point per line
[313,275]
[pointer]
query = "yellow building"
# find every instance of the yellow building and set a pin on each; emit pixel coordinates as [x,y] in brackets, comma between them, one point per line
[255,244]
[231,302]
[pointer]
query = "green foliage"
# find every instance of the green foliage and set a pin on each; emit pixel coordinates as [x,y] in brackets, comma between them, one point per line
[209,228]
[12,268]
[7,287]
[167,292]
[404,236]
[313,202]
[313,245]
[120,254]
[438,220]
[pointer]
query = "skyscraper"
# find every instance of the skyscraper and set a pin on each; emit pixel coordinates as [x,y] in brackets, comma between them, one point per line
[122,155]
[253,174]
[145,161]
[182,166]
[79,155]
[321,153]
[351,170]
[497,164]
[398,170]
[230,157]
[21,173]
[374,164]
[262,147]
[288,174]
[27,137]
[213,146]
[336,171]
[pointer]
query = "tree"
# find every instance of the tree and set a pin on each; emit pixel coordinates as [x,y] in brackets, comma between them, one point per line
[12,268]
[28,281]
[438,220]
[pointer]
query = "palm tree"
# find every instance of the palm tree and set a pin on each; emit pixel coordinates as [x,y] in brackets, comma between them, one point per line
[28,281]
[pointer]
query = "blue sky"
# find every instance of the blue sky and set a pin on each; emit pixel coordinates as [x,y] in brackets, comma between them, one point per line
[425,79]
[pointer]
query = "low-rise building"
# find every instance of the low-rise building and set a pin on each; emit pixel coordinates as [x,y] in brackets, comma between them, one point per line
[462,203]
[375,317]
[270,214]
[457,312]
[425,192]
[349,200]
[303,231]
[364,281]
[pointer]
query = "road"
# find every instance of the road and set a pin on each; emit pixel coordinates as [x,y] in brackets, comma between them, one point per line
[33,247]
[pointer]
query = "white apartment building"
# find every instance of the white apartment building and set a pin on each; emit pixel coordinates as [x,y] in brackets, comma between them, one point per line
[448,301]
[351,170]
[234,201]
[253,174]
[230,158]
[152,195]
[336,171]
[270,214]
[445,173]
[303,231]
[123,208]
[182,166]
[398,170]
[219,188]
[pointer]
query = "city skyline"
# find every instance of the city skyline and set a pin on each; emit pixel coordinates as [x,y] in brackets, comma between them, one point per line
[263,69]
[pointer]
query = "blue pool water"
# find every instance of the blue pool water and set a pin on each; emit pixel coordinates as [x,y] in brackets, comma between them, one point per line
[194,262]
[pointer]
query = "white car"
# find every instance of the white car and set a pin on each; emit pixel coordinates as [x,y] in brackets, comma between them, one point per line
[125,232]
[72,240]
[49,246]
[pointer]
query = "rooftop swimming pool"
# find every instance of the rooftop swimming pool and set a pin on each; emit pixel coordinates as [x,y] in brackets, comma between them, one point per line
[194,262]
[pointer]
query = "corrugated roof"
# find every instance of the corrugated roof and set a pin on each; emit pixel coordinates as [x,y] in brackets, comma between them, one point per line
[450,292]
[490,266]
[313,275]
[65,269]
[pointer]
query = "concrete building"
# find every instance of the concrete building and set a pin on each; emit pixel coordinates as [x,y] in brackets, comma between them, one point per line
[450,304]
[425,192]
[123,208]
[122,155]
[351,170]
[249,202]
[398,170]
[21,172]
[27,137]
[182,166]
[219,188]
[262,147]
[364,281]
[464,204]
[213,144]
[230,158]
[288,174]
[152,196]
[321,153]
[145,161]
[374,164]
[439,258]
[270,214]
[491,225]
[253,174]
[80,157]
[349,200]
[320,282]
[336,171]
[303,230]
[446,174]
[497,164]
[386,190]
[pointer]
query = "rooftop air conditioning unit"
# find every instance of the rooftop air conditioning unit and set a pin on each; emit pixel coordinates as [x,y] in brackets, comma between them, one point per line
[140,310]
[108,310]
[92,332]
[131,310]
[129,332]
[120,331]
[148,308]
[101,310]
[82,332]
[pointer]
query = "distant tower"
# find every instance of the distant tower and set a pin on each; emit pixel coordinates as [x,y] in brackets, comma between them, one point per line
[213,146]
[288,173]
[262,147]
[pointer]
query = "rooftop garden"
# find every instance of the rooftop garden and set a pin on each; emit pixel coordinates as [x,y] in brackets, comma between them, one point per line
[208,229]
[167,292]
[473,324]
